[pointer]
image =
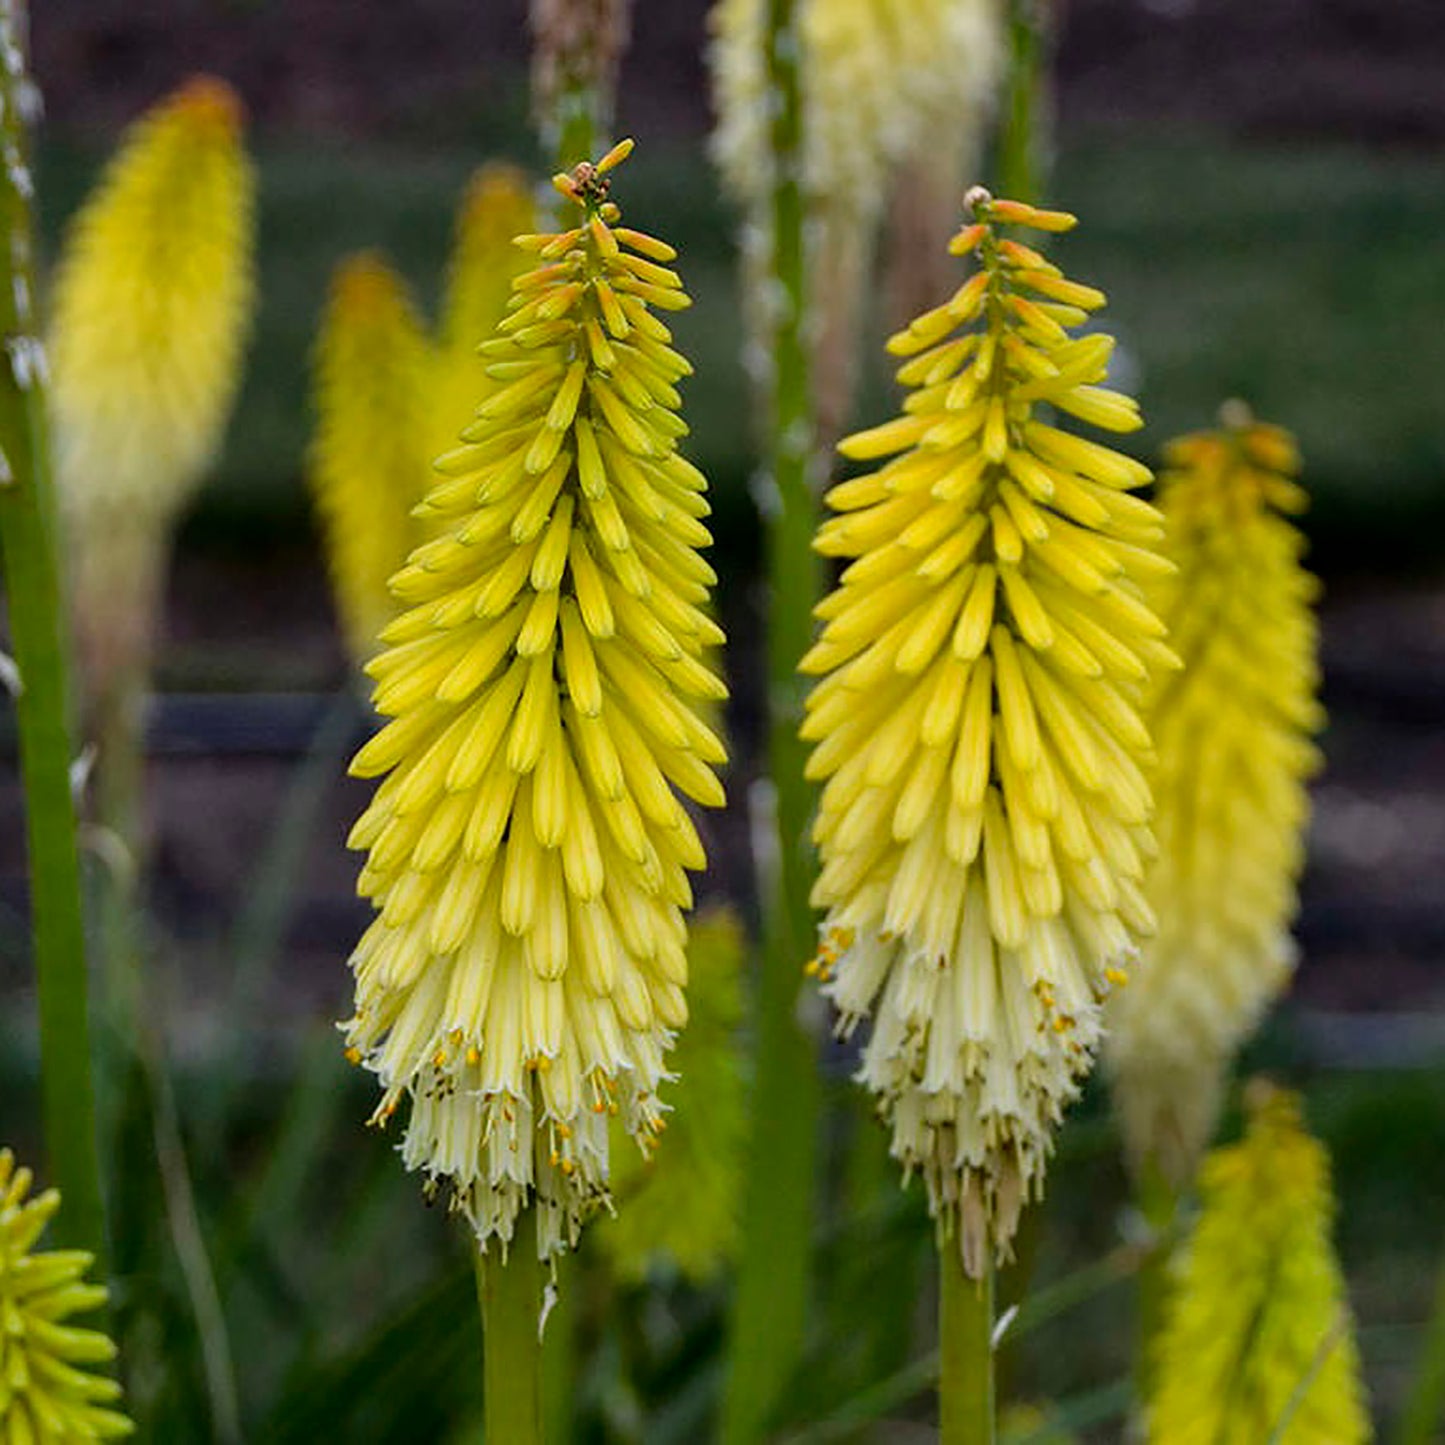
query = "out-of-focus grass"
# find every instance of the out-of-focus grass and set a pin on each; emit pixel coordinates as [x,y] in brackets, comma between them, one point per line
[1304,278]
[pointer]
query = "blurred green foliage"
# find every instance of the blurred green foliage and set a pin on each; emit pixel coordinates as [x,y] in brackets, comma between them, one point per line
[1304,278]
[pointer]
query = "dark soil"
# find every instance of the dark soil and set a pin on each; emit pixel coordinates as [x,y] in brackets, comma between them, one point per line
[1368,70]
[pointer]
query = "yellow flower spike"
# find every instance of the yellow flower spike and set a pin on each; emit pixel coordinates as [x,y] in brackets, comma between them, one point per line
[151,306]
[681,1205]
[985,807]
[1233,734]
[1258,1343]
[51,1391]
[367,468]
[498,206]
[528,854]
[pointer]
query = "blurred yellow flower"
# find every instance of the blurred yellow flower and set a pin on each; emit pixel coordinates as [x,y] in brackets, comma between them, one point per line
[1233,736]
[681,1205]
[50,1390]
[985,817]
[151,306]
[497,206]
[1258,1344]
[528,854]
[368,459]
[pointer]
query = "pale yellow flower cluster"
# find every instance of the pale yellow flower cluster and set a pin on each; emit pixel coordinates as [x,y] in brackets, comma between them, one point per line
[527,851]
[883,80]
[984,824]
[1232,732]
[894,91]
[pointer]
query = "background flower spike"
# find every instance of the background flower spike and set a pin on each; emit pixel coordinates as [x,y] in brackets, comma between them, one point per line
[368,468]
[1233,734]
[152,305]
[1259,1342]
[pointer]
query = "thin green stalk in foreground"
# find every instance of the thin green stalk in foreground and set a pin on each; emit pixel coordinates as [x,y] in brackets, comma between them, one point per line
[37,628]
[965,1342]
[510,1292]
[1159,1205]
[770,1304]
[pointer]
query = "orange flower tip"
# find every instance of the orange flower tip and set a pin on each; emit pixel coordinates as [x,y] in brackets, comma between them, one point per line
[967,239]
[207,99]
[353,1055]
[361,280]
[1020,213]
[615,156]
[565,185]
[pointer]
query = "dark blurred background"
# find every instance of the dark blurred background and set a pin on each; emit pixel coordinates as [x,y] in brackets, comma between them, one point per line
[1262,186]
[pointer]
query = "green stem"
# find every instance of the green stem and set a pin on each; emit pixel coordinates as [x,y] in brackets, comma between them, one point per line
[510,1293]
[1159,1204]
[1021,144]
[119,722]
[1425,1410]
[560,1351]
[965,1343]
[38,636]
[579,45]
[578,125]
[771,1301]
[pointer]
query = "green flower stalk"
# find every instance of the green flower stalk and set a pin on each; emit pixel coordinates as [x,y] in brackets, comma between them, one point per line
[51,1388]
[527,851]
[37,637]
[1233,733]
[1258,1345]
[984,823]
